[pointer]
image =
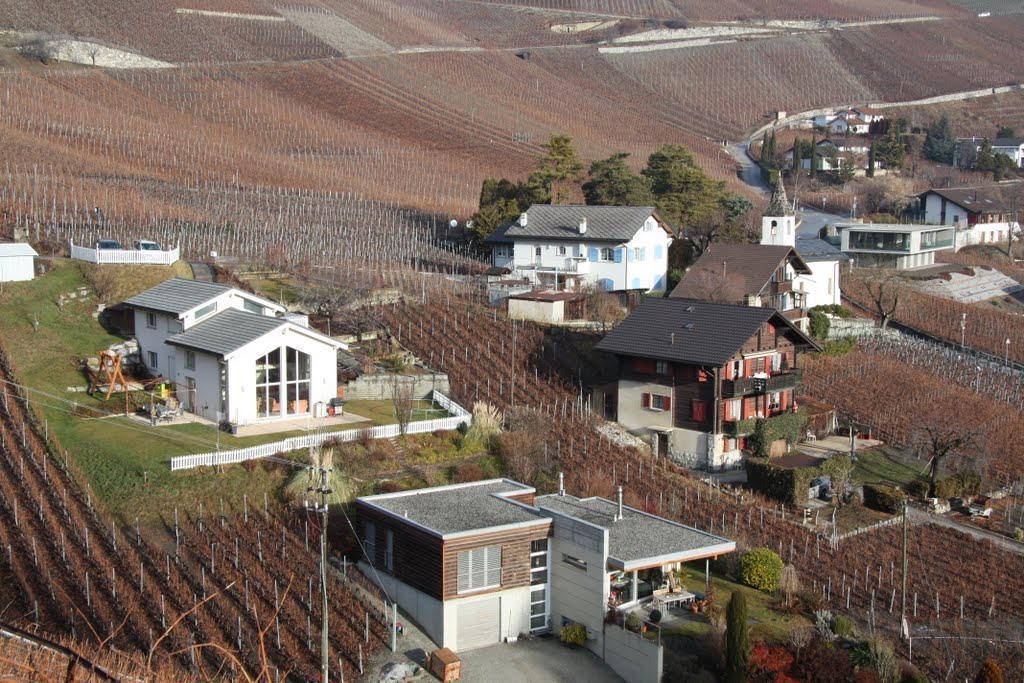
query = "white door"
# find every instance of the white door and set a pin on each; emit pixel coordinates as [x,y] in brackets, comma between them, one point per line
[478,624]
[540,597]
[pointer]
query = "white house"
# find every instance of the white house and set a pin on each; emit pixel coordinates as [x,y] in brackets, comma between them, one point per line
[965,153]
[17,262]
[231,355]
[981,215]
[617,248]
[842,125]
[868,115]
[482,562]
[894,245]
[820,286]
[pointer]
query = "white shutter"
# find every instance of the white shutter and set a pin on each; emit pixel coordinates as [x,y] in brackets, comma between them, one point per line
[493,577]
[479,568]
[464,575]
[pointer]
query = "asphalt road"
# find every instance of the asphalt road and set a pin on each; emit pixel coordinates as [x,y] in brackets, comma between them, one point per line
[980,534]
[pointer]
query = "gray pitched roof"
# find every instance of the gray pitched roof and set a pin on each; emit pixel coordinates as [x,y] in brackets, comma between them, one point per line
[638,538]
[693,332]
[227,331]
[177,295]
[813,249]
[455,509]
[557,221]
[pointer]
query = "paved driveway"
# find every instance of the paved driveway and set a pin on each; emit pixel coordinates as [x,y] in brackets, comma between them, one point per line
[538,660]
[535,661]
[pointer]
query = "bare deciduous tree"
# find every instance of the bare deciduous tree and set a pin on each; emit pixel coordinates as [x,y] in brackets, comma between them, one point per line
[403,398]
[884,288]
[940,443]
[716,287]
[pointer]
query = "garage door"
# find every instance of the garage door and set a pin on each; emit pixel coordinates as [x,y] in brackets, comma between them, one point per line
[478,624]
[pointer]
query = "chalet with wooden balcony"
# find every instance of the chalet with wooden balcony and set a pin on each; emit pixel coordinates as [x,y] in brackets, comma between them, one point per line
[749,274]
[482,562]
[694,376]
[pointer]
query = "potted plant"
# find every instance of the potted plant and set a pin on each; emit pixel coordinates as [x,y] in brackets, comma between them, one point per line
[573,635]
[633,622]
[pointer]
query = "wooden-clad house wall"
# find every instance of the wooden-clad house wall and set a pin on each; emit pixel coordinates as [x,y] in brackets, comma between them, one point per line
[417,553]
[515,557]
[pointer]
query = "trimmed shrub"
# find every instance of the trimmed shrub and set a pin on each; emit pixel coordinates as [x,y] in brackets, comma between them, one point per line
[783,484]
[655,616]
[761,568]
[573,634]
[820,323]
[883,498]
[961,484]
[916,489]
[737,646]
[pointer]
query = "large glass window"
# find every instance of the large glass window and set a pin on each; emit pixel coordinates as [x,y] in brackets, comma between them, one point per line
[288,391]
[268,384]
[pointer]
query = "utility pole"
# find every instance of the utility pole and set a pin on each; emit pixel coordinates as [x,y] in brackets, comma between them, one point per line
[324,490]
[904,627]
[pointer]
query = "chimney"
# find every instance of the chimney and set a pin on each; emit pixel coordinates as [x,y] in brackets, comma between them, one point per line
[522,219]
[583,225]
[619,518]
[561,484]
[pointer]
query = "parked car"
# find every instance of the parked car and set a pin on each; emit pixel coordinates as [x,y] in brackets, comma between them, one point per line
[147,245]
[108,244]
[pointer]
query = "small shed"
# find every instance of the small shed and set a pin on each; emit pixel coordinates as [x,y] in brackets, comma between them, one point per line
[17,262]
[545,307]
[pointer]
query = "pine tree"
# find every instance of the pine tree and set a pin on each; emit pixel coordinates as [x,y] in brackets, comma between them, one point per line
[814,157]
[737,646]
[939,141]
[871,161]
[798,155]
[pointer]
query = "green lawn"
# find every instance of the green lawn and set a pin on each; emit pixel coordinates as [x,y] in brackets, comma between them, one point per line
[766,623]
[126,462]
[884,466]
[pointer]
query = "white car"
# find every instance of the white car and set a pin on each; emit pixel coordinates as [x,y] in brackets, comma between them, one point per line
[147,245]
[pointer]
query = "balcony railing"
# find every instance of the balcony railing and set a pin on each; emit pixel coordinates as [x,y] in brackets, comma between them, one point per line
[782,287]
[731,388]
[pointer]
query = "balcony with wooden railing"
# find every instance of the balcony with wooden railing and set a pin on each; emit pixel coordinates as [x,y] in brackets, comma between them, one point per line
[733,388]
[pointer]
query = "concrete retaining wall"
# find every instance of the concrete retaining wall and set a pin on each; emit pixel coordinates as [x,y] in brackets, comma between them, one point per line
[379,387]
[632,656]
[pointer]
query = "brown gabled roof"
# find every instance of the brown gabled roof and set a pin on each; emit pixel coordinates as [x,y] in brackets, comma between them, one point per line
[694,332]
[975,199]
[754,263]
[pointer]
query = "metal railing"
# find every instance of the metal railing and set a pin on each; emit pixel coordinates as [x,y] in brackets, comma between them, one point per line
[750,385]
[459,416]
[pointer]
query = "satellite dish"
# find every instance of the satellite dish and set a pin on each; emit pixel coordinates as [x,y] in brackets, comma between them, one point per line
[453,224]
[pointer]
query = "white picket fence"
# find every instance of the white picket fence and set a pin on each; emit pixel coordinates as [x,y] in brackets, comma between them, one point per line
[458,416]
[126,256]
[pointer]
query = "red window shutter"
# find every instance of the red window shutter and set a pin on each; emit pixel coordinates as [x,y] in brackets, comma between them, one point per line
[728,411]
[699,412]
[668,403]
[748,368]
[702,376]
[784,400]
[728,370]
[645,400]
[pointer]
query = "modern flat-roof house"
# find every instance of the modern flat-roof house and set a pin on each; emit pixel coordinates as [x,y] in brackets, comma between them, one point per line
[17,262]
[694,376]
[894,245]
[474,564]
[233,356]
[981,215]
[617,248]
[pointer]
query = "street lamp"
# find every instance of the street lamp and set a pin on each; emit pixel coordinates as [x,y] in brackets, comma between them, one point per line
[963,329]
[1006,356]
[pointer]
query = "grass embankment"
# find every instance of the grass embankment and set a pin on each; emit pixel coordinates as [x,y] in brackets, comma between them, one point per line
[884,466]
